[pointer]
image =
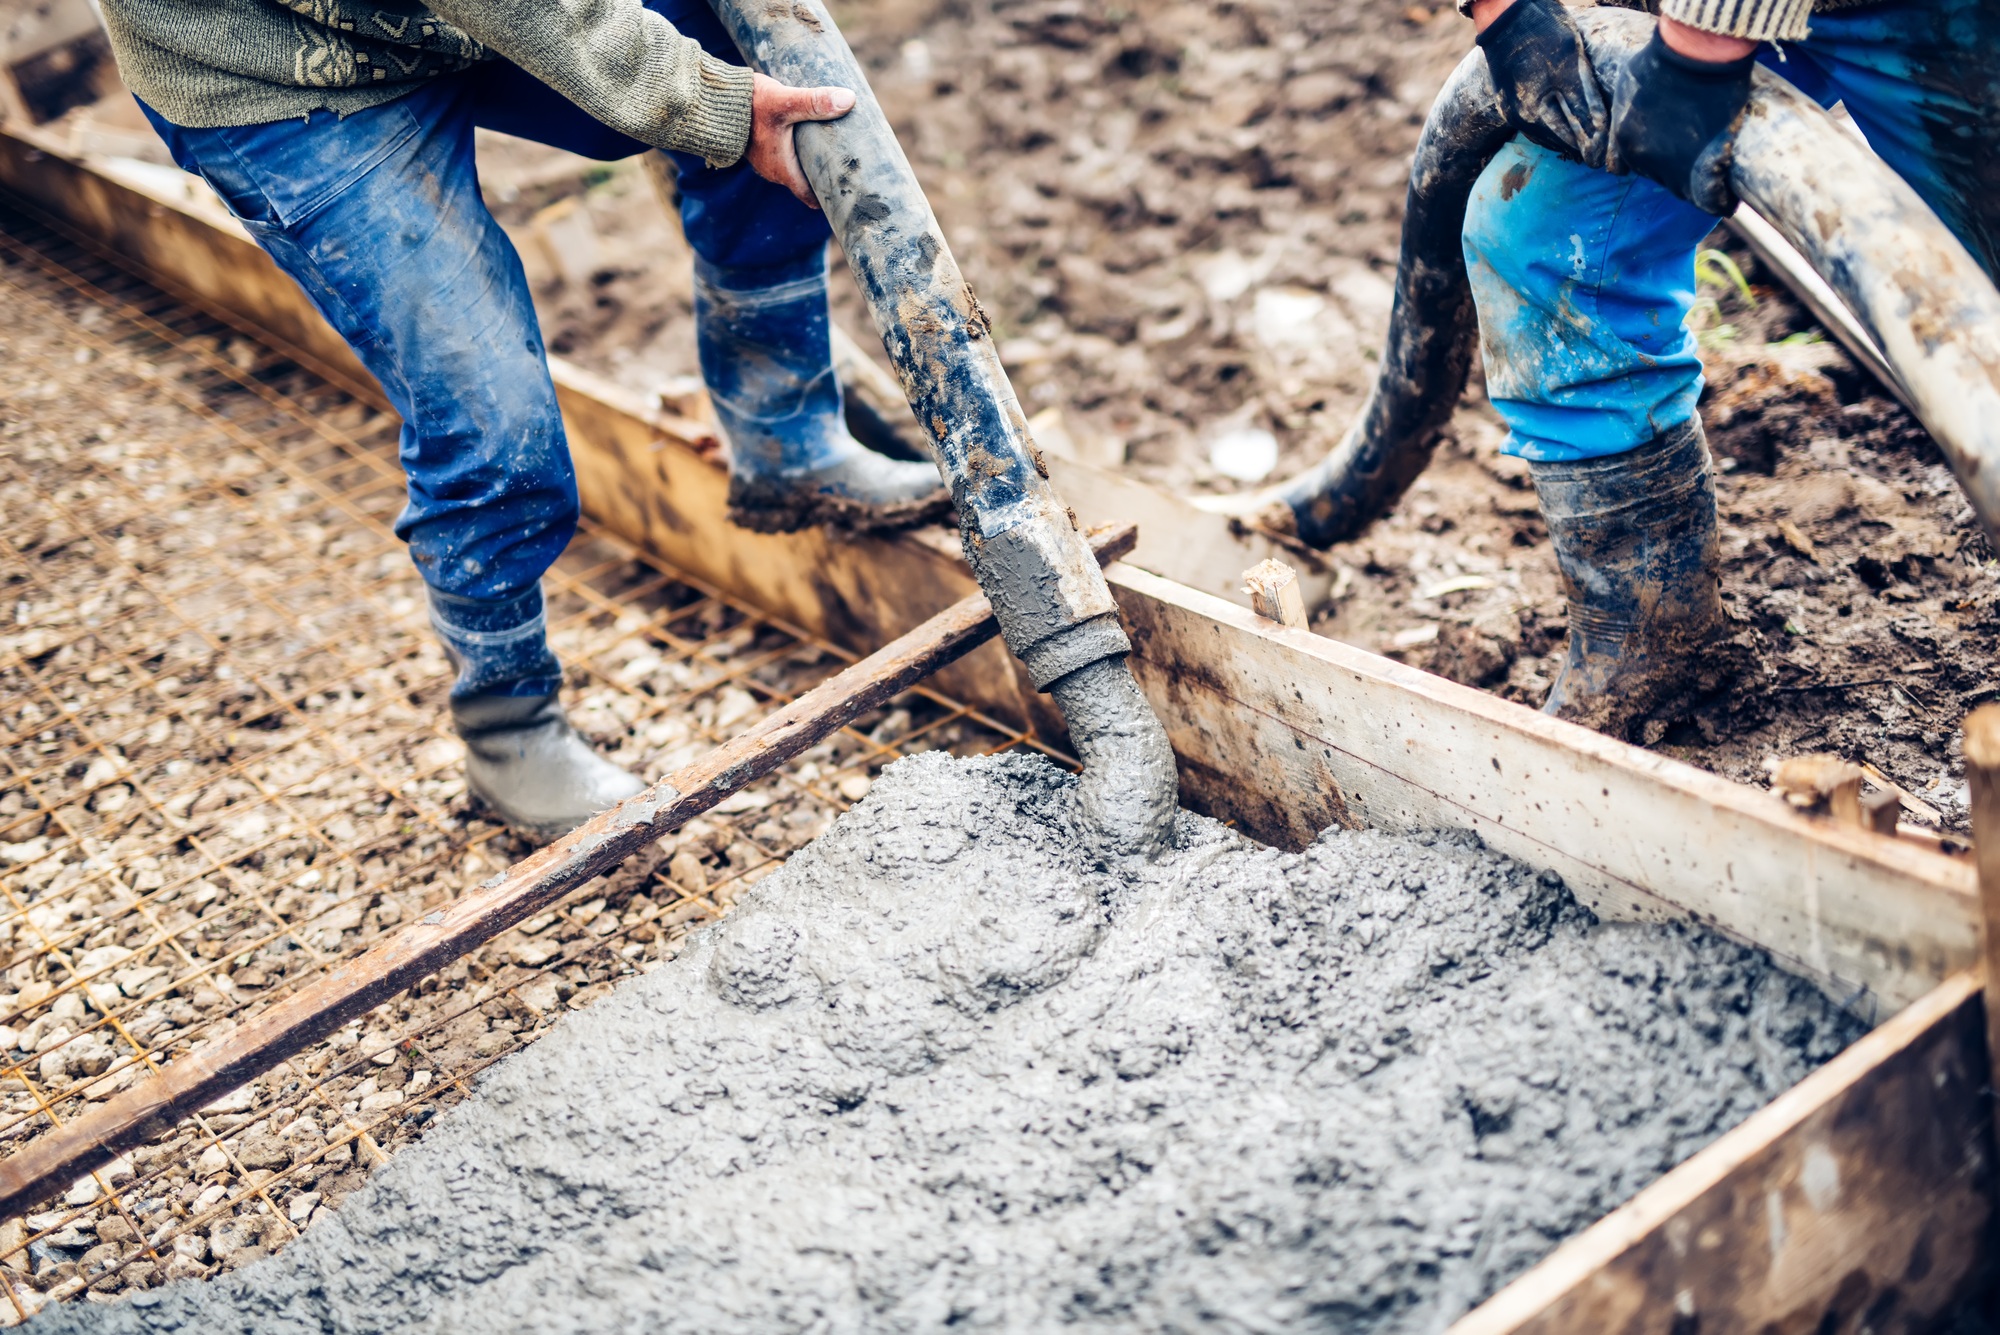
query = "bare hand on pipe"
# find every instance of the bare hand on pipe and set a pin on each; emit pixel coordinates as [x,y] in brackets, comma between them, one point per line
[774,109]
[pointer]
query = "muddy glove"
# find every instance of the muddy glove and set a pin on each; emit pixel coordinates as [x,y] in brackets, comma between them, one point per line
[1674,120]
[1548,91]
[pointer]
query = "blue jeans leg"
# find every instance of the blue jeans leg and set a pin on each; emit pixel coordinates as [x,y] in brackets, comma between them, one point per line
[378,217]
[1582,280]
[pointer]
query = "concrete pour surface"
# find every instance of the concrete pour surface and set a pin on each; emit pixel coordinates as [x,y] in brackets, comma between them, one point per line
[939,1070]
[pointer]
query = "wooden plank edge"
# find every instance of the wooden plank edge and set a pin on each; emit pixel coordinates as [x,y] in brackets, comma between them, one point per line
[1925,863]
[1982,772]
[1533,1301]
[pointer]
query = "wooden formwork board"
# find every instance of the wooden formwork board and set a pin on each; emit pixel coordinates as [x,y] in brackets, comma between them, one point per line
[1862,1198]
[1858,1200]
[1287,732]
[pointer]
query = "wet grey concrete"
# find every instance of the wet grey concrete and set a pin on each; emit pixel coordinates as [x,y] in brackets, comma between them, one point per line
[942,1070]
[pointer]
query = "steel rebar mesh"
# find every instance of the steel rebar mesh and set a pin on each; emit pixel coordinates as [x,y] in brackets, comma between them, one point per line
[225,770]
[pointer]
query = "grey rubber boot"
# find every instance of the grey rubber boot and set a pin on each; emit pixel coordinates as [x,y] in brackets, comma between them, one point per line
[522,759]
[1635,535]
[529,767]
[767,357]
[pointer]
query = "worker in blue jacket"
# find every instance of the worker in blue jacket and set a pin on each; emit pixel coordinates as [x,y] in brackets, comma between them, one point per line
[1580,240]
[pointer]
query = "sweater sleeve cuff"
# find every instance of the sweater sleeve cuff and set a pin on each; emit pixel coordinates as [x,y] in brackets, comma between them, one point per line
[1751,20]
[716,125]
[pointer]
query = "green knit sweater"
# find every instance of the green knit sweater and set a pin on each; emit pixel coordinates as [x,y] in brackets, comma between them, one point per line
[247,62]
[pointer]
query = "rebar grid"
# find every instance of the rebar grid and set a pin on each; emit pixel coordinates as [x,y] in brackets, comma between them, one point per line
[224,769]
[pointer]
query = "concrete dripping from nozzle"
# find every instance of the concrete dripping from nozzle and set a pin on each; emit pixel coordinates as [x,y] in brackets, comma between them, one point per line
[1129,787]
[1055,610]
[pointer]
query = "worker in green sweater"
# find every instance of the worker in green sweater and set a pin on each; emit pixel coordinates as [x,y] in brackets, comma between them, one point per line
[342,136]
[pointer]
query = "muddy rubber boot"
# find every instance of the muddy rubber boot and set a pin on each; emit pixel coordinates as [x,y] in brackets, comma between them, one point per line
[1635,535]
[768,361]
[523,761]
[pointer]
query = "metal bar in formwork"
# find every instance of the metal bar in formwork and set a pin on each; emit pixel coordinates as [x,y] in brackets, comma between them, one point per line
[357,986]
[1055,611]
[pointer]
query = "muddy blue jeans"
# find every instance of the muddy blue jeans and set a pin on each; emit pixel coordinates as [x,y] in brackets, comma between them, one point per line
[378,216]
[1584,279]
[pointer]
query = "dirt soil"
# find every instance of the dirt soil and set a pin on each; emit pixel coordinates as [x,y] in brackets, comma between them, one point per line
[1183,219]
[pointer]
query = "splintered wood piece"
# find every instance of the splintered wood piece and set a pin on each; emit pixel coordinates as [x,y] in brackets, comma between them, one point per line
[357,986]
[1982,772]
[1879,811]
[1807,781]
[1274,593]
[1913,804]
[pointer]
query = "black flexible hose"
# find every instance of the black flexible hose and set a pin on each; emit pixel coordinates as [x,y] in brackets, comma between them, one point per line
[1432,329]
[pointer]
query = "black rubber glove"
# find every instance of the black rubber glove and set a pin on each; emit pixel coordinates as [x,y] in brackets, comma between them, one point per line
[1548,90]
[1674,120]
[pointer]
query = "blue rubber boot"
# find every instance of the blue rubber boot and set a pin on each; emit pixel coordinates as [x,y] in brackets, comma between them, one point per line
[766,356]
[523,761]
[1635,535]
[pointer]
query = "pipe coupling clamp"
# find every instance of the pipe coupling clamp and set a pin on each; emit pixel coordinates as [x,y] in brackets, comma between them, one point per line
[1055,610]
[1051,659]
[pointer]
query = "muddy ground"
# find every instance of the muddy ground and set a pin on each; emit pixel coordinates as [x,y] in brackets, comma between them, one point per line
[1183,219]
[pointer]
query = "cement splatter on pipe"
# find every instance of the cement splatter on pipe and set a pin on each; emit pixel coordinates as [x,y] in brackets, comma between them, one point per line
[1054,608]
[1912,285]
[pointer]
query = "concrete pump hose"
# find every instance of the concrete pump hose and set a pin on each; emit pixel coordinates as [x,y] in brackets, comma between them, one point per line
[1915,288]
[1433,330]
[1052,602]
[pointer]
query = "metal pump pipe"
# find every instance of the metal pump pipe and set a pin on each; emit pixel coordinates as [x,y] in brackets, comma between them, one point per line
[1912,285]
[1054,608]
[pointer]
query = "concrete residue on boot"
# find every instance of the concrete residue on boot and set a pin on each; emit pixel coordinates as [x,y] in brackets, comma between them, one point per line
[942,1069]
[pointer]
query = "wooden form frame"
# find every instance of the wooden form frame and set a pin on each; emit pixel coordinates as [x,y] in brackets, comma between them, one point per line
[36,29]
[1863,1198]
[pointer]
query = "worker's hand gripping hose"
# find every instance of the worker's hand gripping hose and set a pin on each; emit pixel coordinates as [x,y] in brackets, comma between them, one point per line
[1054,608]
[1913,286]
